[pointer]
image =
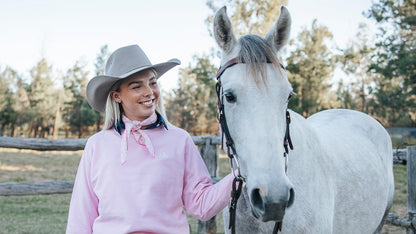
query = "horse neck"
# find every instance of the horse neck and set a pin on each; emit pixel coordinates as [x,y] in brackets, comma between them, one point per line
[305,142]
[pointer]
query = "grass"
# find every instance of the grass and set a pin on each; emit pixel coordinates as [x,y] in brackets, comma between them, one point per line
[40,213]
[48,213]
[400,199]
[34,214]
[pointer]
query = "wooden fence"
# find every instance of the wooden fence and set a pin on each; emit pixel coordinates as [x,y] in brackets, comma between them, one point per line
[408,157]
[208,148]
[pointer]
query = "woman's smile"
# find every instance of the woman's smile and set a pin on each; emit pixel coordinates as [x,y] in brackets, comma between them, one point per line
[148,103]
[138,95]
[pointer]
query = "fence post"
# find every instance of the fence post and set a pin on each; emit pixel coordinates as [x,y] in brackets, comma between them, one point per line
[411,187]
[209,153]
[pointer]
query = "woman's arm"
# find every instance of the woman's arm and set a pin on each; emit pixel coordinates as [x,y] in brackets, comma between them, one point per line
[201,197]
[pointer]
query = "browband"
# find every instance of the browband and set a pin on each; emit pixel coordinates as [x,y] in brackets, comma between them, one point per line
[233,62]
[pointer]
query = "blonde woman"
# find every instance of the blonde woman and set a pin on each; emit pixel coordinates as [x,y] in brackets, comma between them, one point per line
[139,172]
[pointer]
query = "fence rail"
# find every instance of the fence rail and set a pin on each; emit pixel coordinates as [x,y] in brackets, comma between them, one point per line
[209,152]
[51,187]
[74,144]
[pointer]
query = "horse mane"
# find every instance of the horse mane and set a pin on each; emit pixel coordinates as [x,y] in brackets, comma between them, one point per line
[256,52]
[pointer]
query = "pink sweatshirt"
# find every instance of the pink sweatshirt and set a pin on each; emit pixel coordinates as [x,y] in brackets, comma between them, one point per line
[146,194]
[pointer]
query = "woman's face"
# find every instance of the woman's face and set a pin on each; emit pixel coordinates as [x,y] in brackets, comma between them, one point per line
[139,95]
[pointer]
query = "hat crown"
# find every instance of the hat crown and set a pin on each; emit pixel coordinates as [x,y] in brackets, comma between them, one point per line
[126,59]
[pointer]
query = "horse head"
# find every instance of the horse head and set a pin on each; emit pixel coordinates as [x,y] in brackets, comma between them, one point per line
[255,92]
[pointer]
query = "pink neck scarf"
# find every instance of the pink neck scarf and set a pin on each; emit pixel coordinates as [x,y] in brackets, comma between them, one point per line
[133,127]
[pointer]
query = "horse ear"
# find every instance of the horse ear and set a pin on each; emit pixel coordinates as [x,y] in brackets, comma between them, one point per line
[279,33]
[223,30]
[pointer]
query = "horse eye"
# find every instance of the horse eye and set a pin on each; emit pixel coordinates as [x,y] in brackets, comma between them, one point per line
[229,96]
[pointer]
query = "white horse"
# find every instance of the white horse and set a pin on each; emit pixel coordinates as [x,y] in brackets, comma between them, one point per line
[339,177]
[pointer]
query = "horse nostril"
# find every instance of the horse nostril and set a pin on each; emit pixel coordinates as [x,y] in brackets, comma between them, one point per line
[257,200]
[291,198]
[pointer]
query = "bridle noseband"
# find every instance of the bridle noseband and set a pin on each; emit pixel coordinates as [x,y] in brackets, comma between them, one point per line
[231,151]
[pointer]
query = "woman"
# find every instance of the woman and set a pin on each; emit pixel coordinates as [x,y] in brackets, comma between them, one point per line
[139,172]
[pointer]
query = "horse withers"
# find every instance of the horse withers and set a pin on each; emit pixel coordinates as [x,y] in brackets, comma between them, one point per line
[339,176]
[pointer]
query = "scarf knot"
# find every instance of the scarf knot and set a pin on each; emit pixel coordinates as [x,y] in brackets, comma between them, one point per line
[133,127]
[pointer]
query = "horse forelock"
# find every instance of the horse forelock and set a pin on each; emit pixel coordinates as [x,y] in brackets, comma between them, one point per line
[256,53]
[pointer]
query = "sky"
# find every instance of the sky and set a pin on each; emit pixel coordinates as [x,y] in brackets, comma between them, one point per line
[67,31]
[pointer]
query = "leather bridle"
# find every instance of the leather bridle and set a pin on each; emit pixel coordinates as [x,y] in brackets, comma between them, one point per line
[231,151]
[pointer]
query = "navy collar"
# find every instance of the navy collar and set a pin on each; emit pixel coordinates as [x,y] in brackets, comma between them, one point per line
[160,121]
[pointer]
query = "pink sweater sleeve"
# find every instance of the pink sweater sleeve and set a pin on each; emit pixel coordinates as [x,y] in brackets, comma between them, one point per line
[201,197]
[83,208]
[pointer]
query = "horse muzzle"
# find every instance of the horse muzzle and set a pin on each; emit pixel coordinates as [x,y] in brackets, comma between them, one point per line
[269,207]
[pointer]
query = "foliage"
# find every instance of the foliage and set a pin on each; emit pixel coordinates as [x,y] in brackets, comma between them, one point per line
[42,94]
[254,17]
[21,106]
[356,60]
[8,114]
[310,66]
[395,65]
[77,113]
[193,104]
[44,105]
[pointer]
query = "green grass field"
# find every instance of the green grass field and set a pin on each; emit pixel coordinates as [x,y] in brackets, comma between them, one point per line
[48,213]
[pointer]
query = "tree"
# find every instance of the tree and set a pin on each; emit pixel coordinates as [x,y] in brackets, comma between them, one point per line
[8,114]
[310,66]
[193,104]
[21,105]
[356,60]
[99,70]
[42,100]
[345,97]
[77,113]
[395,94]
[254,17]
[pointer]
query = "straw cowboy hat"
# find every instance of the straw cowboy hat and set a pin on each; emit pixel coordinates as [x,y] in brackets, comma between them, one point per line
[122,63]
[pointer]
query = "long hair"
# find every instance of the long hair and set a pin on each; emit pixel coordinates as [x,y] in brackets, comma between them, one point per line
[113,109]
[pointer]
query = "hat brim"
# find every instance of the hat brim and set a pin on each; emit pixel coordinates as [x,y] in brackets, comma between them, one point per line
[99,86]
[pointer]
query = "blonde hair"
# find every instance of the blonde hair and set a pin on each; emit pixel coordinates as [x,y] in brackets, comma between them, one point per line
[113,109]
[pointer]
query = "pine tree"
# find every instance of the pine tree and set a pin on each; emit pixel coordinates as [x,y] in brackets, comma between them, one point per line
[356,61]
[8,114]
[77,113]
[193,104]
[310,67]
[22,107]
[395,93]
[42,95]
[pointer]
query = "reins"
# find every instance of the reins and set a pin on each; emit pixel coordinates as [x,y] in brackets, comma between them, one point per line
[232,153]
